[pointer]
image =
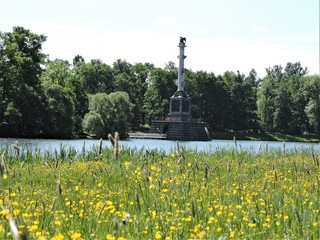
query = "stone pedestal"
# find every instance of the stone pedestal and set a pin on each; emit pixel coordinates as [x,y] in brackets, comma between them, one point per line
[180,107]
[181,130]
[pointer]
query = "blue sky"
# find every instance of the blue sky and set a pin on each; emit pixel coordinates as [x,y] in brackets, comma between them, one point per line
[222,35]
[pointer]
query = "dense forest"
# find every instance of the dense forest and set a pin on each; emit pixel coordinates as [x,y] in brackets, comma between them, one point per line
[40,97]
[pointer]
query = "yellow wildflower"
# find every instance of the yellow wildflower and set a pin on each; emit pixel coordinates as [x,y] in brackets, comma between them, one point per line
[59,236]
[76,235]
[157,235]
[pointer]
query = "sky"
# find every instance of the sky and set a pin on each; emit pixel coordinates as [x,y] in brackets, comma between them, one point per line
[221,35]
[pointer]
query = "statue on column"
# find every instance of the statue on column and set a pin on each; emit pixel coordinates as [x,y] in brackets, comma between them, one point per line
[183,40]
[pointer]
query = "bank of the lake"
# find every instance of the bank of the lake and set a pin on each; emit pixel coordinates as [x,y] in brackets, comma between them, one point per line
[267,136]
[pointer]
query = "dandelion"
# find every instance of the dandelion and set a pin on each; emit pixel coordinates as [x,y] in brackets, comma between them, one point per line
[232,234]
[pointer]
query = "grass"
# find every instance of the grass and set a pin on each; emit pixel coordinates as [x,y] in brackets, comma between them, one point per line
[266,137]
[152,195]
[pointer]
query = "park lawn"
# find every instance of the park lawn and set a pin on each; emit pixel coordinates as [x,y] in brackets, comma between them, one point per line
[153,195]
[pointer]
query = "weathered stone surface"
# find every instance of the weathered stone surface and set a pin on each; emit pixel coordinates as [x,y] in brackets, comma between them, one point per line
[181,130]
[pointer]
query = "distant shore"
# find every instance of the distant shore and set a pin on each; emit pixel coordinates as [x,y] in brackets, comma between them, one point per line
[266,137]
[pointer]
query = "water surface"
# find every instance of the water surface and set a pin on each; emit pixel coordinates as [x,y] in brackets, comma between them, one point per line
[44,145]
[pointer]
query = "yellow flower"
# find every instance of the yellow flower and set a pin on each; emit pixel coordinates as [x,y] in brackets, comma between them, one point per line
[110,237]
[157,235]
[315,224]
[33,228]
[232,234]
[202,234]
[59,236]
[76,235]
[252,225]
[4,176]
[16,212]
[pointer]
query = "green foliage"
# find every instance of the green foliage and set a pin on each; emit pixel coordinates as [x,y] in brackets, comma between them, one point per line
[113,111]
[161,88]
[93,124]
[96,76]
[60,112]
[56,72]
[286,102]
[20,68]
[312,109]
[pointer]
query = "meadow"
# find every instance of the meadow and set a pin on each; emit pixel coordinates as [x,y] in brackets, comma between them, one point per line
[139,194]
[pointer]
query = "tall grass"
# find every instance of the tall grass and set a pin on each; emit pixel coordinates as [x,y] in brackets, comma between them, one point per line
[144,194]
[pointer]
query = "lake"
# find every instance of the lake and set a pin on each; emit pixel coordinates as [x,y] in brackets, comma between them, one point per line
[167,146]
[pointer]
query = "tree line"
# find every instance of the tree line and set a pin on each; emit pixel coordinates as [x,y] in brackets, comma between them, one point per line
[48,98]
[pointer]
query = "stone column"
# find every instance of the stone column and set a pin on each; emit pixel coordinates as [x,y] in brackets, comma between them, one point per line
[181,82]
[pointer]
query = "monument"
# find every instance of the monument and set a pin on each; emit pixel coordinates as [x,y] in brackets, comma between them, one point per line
[179,124]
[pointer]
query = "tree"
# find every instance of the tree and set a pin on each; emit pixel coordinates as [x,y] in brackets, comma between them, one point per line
[142,74]
[121,113]
[75,88]
[56,72]
[59,72]
[281,102]
[208,97]
[115,110]
[93,125]
[161,88]
[21,90]
[97,77]
[312,108]
[78,60]
[61,112]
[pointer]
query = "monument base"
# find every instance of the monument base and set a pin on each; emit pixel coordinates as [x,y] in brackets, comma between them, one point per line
[181,130]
